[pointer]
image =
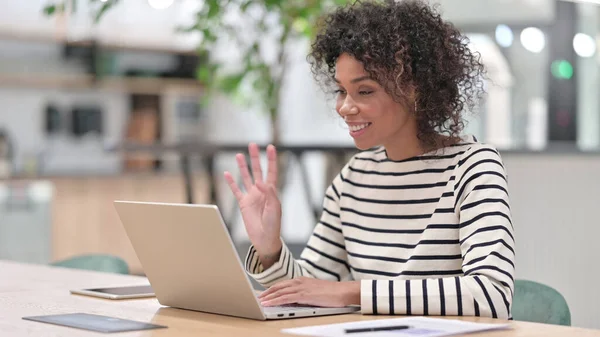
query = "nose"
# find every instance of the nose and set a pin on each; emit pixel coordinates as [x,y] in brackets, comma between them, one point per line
[348,107]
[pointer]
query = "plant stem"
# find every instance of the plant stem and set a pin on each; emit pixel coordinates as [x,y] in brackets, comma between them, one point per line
[279,77]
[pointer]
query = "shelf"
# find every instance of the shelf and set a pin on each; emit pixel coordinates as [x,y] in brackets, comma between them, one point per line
[131,85]
[123,47]
[39,38]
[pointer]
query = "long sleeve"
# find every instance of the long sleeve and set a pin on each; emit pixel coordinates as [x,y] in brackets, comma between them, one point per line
[486,243]
[324,256]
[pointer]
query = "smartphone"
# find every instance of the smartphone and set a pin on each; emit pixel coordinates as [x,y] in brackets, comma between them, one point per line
[117,293]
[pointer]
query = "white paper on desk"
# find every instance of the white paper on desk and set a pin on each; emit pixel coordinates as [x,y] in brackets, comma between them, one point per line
[420,326]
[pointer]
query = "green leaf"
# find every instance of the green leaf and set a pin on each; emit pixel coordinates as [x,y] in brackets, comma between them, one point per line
[105,7]
[50,9]
[213,8]
[203,74]
[245,5]
[230,83]
[300,25]
[206,72]
[309,32]
[303,13]
[274,4]
[209,35]
[188,29]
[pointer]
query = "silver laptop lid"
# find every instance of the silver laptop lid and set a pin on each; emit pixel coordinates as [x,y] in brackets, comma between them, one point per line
[189,258]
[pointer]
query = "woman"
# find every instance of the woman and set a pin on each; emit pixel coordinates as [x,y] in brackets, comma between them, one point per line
[419,222]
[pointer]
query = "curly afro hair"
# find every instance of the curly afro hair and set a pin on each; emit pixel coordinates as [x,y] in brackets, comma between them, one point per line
[406,47]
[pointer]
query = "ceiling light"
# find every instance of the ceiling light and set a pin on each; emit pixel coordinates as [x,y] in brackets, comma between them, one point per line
[533,39]
[504,36]
[584,45]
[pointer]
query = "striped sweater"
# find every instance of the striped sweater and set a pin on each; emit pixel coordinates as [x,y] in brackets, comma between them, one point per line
[428,235]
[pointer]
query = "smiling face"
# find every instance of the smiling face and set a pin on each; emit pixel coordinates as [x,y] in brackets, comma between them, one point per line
[373,116]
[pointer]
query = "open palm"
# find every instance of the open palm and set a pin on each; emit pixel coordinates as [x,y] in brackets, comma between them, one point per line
[259,205]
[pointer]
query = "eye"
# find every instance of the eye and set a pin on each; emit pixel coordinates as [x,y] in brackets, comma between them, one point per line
[340,92]
[365,92]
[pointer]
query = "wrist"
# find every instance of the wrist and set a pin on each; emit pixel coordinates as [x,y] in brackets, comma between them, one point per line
[352,293]
[270,256]
[268,249]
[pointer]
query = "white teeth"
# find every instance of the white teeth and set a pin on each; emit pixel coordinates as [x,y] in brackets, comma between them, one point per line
[358,127]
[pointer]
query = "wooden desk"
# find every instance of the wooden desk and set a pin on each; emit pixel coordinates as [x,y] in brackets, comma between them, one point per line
[30,290]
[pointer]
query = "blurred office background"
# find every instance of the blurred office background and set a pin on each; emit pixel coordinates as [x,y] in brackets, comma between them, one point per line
[72,93]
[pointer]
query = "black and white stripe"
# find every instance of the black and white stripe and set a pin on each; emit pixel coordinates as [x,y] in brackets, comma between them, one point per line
[431,234]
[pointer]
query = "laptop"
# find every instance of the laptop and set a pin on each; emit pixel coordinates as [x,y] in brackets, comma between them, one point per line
[191,262]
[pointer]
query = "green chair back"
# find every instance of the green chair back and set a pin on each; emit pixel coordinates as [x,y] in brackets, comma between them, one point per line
[536,302]
[95,262]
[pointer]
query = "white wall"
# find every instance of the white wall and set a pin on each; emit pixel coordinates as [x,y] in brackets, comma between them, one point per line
[474,12]
[554,201]
[131,23]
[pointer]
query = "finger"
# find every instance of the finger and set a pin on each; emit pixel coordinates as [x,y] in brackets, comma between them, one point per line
[269,191]
[233,186]
[283,300]
[263,187]
[243,166]
[255,161]
[281,292]
[272,166]
[273,192]
[273,289]
[278,286]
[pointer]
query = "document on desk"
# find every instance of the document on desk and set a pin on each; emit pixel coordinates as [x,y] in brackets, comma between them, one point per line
[397,327]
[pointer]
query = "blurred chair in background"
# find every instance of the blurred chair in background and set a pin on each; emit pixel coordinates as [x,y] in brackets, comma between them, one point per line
[536,302]
[95,262]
